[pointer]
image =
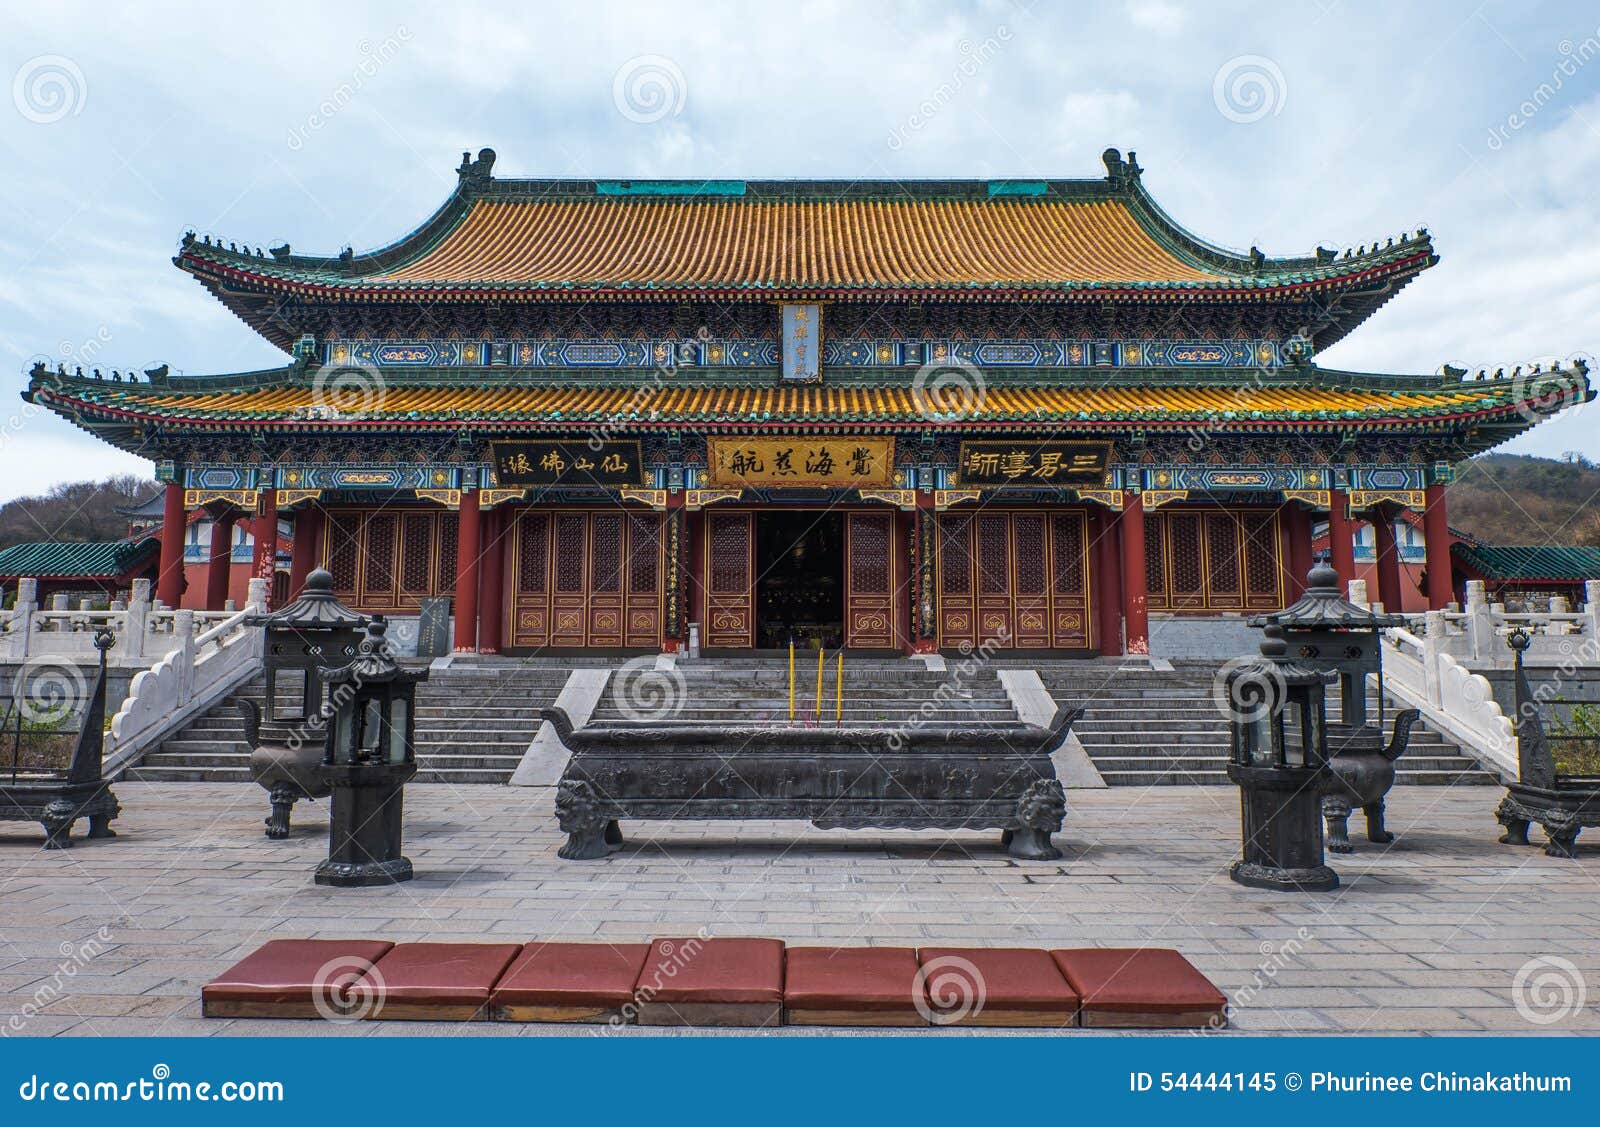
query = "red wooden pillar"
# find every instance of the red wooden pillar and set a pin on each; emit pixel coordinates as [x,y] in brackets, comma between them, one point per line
[174,527]
[1387,559]
[1341,538]
[1135,585]
[1297,524]
[264,562]
[307,548]
[467,549]
[492,586]
[925,611]
[219,560]
[1436,537]
[1108,573]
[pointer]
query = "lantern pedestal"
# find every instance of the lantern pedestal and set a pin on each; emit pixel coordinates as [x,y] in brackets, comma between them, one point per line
[1282,831]
[364,831]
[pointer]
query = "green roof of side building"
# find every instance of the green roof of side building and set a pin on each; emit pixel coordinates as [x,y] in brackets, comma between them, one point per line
[1530,563]
[102,559]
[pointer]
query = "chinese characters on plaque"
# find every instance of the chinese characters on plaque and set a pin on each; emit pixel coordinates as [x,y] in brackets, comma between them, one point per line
[1034,464]
[733,463]
[566,463]
[802,343]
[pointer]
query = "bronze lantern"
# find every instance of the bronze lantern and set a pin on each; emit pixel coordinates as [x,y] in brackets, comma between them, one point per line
[368,757]
[1279,759]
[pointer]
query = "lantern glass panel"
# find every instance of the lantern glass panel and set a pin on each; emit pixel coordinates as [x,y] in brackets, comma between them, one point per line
[1317,731]
[371,726]
[344,734]
[1294,734]
[399,711]
[1259,735]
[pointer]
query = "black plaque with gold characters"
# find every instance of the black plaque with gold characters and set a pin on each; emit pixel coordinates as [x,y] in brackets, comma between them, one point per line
[1034,464]
[567,463]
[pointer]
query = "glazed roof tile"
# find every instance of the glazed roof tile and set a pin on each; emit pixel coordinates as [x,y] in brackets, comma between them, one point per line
[1549,562]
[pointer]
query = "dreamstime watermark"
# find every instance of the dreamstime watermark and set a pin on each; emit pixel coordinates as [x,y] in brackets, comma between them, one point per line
[158,1087]
[644,693]
[1245,689]
[1548,989]
[672,958]
[948,990]
[1275,957]
[374,59]
[1249,88]
[949,391]
[669,359]
[344,390]
[49,88]
[975,58]
[952,688]
[649,88]
[348,988]
[1574,57]
[74,957]
[1541,391]
[48,690]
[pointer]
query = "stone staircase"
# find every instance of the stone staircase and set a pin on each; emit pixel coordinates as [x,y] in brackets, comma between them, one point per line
[474,721]
[1144,727]
[878,691]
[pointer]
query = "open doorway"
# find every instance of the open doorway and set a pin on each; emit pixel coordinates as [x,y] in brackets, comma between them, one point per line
[799,578]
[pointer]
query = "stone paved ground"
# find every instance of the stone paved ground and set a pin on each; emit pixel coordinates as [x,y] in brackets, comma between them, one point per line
[1427,935]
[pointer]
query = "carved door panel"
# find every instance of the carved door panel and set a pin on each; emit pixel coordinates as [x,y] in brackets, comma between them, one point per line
[993,579]
[1069,581]
[570,568]
[531,613]
[730,580]
[607,573]
[958,613]
[1032,580]
[642,620]
[869,585]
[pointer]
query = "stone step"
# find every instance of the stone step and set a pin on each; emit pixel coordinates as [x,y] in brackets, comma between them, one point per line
[188,775]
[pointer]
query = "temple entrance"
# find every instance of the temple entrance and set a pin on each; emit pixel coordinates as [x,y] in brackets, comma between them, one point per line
[800,584]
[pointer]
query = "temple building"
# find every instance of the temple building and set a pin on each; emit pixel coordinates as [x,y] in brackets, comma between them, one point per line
[613,415]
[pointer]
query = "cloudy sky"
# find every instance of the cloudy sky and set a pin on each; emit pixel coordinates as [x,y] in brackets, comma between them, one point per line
[1282,125]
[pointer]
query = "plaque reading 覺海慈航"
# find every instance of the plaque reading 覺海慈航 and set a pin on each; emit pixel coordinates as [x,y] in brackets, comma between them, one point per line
[734,463]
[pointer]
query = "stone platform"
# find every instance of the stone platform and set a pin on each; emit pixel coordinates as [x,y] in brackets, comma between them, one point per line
[1428,935]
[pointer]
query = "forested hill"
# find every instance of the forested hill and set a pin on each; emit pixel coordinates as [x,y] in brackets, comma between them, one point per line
[1515,499]
[74,512]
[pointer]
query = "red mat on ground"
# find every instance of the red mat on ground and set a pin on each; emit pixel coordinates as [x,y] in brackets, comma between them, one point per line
[997,986]
[437,981]
[851,986]
[568,981]
[1132,987]
[713,970]
[292,978]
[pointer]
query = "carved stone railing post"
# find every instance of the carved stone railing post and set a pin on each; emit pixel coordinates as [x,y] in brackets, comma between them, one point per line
[256,595]
[1591,610]
[1480,621]
[1433,642]
[183,629]
[22,617]
[1358,593]
[137,624]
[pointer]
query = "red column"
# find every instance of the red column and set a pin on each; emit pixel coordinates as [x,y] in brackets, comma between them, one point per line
[307,548]
[1297,521]
[467,574]
[1341,538]
[169,580]
[1388,560]
[1436,537]
[264,561]
[219,561]
[1108,573]
[1135,589]
[492,586]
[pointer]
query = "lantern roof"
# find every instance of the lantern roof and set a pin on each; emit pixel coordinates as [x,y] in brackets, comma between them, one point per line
[317,608]
[1322,607]
[373,664]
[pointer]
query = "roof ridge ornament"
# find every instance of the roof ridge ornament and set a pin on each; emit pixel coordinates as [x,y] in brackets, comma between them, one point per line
[477,171]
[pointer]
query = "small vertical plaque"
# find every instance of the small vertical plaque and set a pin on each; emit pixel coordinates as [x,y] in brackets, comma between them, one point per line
[802,343]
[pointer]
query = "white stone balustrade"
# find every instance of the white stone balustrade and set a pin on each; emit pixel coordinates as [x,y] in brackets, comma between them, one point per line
[145,630]
[202,667]
[1476,634]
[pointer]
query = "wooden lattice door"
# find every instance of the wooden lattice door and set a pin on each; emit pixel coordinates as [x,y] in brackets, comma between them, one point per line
[1014,580]
[730,580]
[869,583]
[589,579]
